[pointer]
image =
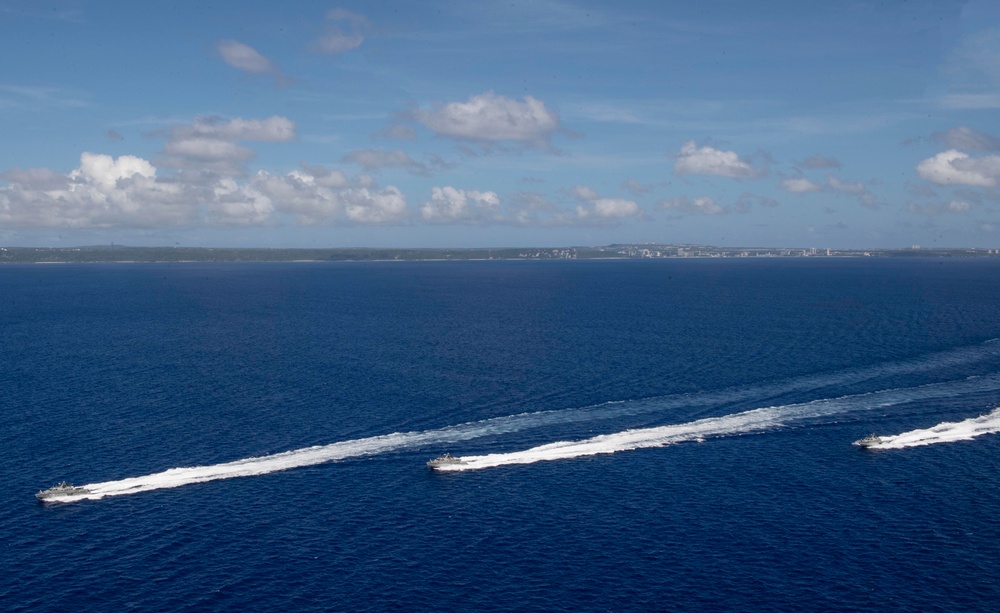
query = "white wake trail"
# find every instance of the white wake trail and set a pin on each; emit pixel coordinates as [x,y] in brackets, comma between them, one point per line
[747,421]
[309,456]
[728,425]
[945,432]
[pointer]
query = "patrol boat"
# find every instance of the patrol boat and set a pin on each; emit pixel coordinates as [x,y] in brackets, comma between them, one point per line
[869,441]
[62,491]
[444,460]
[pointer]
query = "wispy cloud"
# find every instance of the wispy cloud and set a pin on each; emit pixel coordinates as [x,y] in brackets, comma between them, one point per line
[971,101]
[538,16]
[345,31]
[608,113]
[377,159]
[637,188]
[954,206]
[703,205]
[819,161]
[967,139]
[28,97]
[70,15]
[246,58]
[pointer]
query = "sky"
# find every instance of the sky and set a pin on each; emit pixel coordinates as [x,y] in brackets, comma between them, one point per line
[432,123]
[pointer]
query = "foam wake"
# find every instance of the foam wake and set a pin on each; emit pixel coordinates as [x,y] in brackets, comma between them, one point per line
[744,422]
[945,432]
[747,421]
[309,456]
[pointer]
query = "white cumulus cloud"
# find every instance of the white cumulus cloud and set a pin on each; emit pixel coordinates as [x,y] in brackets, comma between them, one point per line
[213,139]
[615,207]
[234,204]
[128,192]
[606,209]
[492,118]
[102,192]
[800,185]
[300,195]
[326,177]
[954,167]
[584,193]
[710,161]
[375,206]
[450,205]
[105,170]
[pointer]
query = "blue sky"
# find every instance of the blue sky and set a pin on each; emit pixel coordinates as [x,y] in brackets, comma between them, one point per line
[457,124]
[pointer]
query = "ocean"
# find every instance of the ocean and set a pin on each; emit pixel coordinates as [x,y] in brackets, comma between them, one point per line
[668,435]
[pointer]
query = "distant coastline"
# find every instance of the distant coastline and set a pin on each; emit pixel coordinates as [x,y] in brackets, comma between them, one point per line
[123,254]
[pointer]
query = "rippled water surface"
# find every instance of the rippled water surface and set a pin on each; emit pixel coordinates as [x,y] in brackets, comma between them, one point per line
[635,436]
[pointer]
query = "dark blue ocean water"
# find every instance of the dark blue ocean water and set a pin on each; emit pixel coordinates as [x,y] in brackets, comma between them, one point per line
[115,372]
